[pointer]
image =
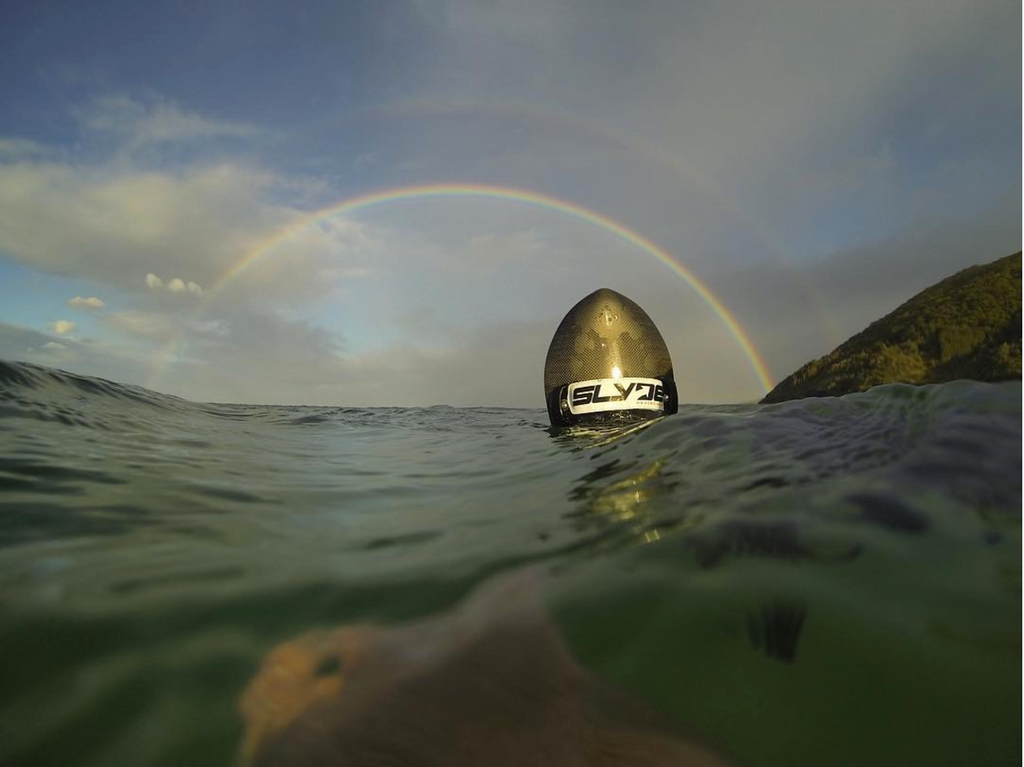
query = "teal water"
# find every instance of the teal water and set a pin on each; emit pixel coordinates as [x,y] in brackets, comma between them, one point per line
[819,582]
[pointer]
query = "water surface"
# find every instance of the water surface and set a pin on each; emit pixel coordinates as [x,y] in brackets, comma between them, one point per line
[831,581]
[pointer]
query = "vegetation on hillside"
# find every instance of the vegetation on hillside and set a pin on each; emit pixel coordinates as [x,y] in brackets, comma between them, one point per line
[967,326]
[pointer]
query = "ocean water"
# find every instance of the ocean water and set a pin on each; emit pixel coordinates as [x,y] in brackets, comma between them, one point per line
[823,582]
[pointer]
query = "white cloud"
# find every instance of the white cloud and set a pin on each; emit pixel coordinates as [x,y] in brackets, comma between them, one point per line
[210,354]
[117,225]
[151,325]
[62,327]
[491,248]
[158,121]
[107,223]
[218,328]
[92,302]
[366,159]
[19,148]
[337,274]
[53,346]
[173,285]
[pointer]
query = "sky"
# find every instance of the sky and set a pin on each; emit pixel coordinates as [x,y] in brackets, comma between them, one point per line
[395,203]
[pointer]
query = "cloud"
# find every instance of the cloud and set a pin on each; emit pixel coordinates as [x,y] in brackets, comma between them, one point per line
[154,122]
[814,308]
[727,133]
[778,110]
[151,325]
[62,327]
[174,285]
[92,302]
[282,358]
[366,159]
[25,344]
[124,227]
[708,79]
[514,246]
[338,274]
[112,224]
[21,148]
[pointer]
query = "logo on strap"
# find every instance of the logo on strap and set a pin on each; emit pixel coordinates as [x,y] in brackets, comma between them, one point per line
[604,394]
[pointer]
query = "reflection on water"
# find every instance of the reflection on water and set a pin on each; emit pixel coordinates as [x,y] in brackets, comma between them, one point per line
[765,540]
[628,501]
[775,628]
[489,683]
[617,492]
[600,434]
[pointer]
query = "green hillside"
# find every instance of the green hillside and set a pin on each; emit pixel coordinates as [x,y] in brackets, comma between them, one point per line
[967,326]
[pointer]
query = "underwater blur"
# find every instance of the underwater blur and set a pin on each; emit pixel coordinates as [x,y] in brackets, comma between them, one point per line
[826,581]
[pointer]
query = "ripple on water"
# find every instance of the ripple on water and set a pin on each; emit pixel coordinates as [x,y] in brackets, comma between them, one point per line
[845,572]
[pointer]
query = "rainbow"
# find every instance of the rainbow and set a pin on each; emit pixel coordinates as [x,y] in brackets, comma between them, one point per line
[509,194]
[629,142]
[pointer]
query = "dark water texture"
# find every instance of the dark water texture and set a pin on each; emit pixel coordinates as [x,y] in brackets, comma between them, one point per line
[831,581]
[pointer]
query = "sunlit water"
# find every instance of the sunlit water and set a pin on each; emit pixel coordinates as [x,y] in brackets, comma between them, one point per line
[819,582]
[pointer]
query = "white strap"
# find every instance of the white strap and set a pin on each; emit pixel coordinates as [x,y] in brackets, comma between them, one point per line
[603,394]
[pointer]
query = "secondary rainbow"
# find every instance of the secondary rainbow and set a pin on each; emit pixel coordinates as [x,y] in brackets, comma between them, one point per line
[508,194]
